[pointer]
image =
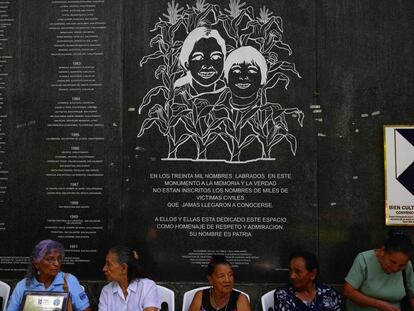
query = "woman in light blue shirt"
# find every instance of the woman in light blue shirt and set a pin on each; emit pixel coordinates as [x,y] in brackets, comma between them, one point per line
[43,274]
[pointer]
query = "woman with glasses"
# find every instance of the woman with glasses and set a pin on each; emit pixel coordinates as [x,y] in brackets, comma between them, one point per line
[44,274]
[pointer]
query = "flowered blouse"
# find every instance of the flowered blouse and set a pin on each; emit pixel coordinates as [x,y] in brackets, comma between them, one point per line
[326,299]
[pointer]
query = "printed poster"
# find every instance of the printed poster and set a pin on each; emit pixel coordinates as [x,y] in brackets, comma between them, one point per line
[399,174]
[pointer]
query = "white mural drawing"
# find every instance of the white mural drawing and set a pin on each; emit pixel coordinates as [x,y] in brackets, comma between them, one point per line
[213,83]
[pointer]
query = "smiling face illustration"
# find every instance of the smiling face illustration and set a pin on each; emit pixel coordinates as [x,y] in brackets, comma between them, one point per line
[206,61]
[245,71]
[202,57]
[244,79]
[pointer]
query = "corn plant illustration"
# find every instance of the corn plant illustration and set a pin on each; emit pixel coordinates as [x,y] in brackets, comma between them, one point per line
[267,120]
[233,124]
[270,122]
[201,123]
[233,22]
[166,115]
[271,127]
[202,117]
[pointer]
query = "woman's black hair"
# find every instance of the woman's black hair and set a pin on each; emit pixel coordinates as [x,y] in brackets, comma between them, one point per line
[398,242]
[311,261]
[216,260]
[130,258]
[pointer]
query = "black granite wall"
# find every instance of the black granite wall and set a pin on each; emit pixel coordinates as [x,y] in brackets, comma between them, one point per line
[97,147]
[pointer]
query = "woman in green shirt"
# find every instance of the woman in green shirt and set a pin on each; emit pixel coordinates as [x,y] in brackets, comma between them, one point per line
[375,280]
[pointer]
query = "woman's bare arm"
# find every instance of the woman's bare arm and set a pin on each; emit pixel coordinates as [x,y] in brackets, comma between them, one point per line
[363,300]
[412,303]
[243,303]
[196,303]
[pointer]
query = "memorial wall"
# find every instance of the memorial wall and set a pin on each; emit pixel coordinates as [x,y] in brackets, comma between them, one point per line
[61,124]
[191,128]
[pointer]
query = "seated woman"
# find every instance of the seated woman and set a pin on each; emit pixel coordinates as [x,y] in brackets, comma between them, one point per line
[43,274]
[375,280]
[127,291]
[305,293]
[221,295]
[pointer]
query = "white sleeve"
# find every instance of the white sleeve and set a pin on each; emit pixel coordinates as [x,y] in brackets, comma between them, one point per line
[103,300]
[151,298]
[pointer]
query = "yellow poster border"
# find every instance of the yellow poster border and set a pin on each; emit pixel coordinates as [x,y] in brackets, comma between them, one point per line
[385,173]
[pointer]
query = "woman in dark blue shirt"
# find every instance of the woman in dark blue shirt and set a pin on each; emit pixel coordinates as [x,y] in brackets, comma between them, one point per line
[305,293]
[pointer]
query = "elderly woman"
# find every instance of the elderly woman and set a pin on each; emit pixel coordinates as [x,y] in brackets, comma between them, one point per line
[375,280]
[305,293]
[43,274]
[128,291]
[221,295]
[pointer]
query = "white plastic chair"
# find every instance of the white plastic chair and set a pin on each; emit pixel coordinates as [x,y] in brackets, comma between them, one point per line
[268,301]
[189,295]
[166,296]
[4,293]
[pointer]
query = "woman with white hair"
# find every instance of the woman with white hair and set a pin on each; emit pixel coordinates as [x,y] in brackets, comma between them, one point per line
[44,274]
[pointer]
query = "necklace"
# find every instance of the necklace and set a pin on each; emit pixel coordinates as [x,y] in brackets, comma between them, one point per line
[215,303]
